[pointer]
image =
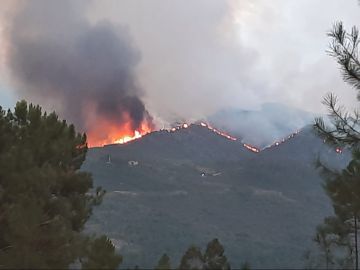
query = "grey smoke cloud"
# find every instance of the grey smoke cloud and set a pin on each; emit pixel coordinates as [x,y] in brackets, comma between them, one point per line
[193,58]
[261,127]
[208,55]
[85,71]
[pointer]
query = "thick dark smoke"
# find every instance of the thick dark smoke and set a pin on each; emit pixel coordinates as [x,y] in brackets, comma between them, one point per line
[85,71]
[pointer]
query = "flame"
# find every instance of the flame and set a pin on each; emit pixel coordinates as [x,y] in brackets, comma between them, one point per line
[126,139]
[125,134]
[221,133]
[338,150]
[251,148]
[110,133]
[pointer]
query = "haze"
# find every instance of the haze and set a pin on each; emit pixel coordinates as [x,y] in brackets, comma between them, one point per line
[188,61]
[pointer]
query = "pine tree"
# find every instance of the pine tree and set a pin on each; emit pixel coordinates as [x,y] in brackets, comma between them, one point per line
[342,230]
[214,256]
[345,129]
[192,259]
[44,199]
[101,255]
[325,241]
[164,263]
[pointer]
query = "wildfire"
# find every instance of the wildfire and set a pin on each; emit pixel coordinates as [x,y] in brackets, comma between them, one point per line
[251,148]
[218,131]
[185,125]
[126,139]
[108,133]
[125,134]
[277,143]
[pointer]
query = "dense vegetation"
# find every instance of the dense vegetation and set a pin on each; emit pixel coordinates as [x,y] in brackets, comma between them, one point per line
[44,199]
[338,236]
[193,258]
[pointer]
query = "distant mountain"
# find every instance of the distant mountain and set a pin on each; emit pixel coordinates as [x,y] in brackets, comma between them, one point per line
[169,190]
[272,122]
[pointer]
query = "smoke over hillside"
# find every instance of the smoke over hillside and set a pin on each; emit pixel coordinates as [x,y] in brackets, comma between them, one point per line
[104,65]
[85,71]
[262,127]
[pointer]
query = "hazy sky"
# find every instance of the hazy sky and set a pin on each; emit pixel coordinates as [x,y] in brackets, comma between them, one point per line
[200,56]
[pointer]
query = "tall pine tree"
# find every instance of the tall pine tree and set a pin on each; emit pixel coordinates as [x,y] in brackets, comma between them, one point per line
[345,128]
[214,256]
[164,263]
[341,231]
[44,199]
[342,188]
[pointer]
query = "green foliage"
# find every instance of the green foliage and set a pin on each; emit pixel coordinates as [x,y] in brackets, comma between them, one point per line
[192,259]
[214,256]
[164,263]
[345,127]
[44,199]
[338,235]
[101,255]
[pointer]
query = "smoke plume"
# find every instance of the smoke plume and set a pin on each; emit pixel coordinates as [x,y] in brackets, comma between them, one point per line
[85,71]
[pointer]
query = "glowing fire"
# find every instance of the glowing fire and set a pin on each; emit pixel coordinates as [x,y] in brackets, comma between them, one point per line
[109,133]
[221,133]
[338,150]
[251,148]
[185,125]
[126,139]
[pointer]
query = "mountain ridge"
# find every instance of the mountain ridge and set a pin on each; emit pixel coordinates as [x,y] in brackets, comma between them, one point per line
[193,185]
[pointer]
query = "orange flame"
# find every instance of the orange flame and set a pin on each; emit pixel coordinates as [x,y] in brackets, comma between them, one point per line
[251,148]
[108,133]
[218,131]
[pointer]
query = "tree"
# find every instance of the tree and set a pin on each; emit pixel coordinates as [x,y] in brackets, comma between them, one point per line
[214,256]
[342,230]
[345,127]
[164,263]
[44,199]
[192,259]
[101,255]
[325,242]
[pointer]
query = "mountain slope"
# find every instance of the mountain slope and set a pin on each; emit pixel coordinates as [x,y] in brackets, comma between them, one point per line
[193,185]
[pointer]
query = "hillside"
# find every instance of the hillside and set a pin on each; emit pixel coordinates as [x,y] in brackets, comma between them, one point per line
[192,185]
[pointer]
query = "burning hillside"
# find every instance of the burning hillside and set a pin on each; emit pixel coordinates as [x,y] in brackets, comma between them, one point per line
[117,132]
[126,134]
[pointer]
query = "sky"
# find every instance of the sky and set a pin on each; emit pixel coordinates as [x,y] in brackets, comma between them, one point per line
[193,58]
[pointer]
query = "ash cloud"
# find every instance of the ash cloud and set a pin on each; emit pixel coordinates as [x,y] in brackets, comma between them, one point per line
[85,71]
